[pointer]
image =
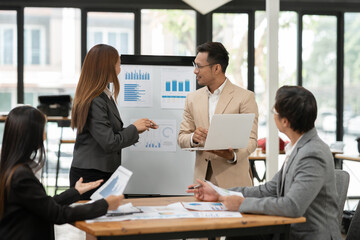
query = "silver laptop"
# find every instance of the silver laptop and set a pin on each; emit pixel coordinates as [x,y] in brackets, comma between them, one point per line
[227,131]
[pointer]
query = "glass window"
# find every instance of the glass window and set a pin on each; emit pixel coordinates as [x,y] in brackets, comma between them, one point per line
[8,38]
[52,63]
[319,70]
[8,63]
[232,31]
[51,52]
[115,29]
[351,81]
[351,98]
[287,58]
[35,45]
[168,32]
[8,41]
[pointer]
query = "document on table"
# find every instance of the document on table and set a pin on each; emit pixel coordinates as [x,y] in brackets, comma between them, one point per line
[171,211]
[204,206]
[223,191]
[115,185]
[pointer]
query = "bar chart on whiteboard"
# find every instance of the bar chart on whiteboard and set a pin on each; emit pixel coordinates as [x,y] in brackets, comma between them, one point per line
[176,84]
[162,139]
[136,87]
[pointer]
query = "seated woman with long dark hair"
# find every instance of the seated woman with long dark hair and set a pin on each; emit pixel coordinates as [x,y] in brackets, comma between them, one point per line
[26,211]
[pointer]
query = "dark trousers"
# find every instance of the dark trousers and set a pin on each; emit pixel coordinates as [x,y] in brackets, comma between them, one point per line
[88,175]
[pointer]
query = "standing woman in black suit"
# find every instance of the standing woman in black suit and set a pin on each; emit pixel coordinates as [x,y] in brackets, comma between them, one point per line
[100,131]
[26,211]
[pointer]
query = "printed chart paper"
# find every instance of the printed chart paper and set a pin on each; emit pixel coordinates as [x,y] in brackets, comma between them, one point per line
[224,192]
[205,206]
[115,185]
[176,84]
[162,139]
[172,211]
[136,87]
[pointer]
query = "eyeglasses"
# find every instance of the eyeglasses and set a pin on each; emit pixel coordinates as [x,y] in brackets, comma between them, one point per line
[273,111]
[197,67]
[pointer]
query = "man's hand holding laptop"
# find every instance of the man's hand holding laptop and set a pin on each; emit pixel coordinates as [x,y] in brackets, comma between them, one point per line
[200,135]
[226,153]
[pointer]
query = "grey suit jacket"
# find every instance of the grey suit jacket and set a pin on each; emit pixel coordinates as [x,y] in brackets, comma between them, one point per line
[308,190]
[99,145]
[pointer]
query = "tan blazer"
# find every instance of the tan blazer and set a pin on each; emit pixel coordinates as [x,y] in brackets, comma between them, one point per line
[232,100]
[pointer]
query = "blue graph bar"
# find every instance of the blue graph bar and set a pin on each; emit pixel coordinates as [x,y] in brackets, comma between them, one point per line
[132,92]
[181,86]
[137,75]
[173,96]
[152,145]
[168,86]
[110,188]
[174,85]
[187,86]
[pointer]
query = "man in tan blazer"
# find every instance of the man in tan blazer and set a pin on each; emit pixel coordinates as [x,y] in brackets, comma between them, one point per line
[225,168]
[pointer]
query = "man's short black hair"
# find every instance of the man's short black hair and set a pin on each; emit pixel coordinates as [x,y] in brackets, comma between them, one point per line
[298,105]
[217,54]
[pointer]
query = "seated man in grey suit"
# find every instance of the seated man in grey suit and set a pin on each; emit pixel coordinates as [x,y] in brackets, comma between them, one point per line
[305,185]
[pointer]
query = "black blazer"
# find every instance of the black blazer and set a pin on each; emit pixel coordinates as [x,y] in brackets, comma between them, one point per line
[31,214]
[99,145]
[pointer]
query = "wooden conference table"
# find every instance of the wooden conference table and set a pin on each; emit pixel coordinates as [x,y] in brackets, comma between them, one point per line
[339,160]
[249,224]
[252,159]
[342,157]
[49,119]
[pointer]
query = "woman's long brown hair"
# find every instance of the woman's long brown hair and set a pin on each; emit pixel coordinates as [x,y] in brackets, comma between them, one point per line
[22,145]
[97,71]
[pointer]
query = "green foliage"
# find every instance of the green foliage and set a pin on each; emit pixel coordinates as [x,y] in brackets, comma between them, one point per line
[181,24]
[352,63]
[319,67]
[352,48]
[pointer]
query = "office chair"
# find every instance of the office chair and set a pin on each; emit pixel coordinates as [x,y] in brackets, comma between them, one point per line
[61,124]
[342,179]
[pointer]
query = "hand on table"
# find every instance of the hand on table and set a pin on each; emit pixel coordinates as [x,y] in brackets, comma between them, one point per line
[114,201]
[232,203]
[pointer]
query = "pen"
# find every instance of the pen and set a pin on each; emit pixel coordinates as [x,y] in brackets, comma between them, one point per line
[196,186]
[153,124]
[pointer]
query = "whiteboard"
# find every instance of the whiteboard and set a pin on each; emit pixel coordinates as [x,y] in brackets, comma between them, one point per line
[159,166]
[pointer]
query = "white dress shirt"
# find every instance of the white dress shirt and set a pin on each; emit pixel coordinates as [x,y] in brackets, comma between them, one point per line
[213,101]
[110,95]
[288,150]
